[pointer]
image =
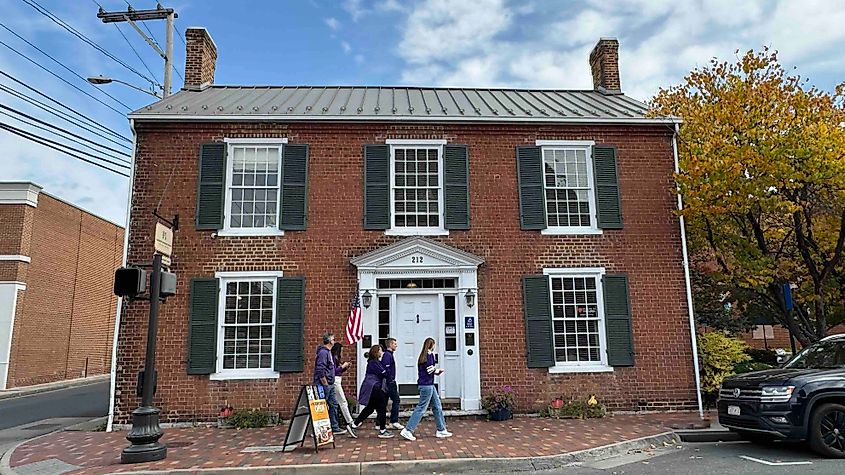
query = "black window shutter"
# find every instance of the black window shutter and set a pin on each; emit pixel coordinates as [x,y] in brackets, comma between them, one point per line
[290,325]
[211,186]
[376,187]
[538,321]
[293,212]
[456,186]
[202,327]
[532,202]
[607,187]
[617,321]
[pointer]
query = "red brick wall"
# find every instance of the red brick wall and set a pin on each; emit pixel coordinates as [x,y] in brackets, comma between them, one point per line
[648,249]
[15,239]
[65,316]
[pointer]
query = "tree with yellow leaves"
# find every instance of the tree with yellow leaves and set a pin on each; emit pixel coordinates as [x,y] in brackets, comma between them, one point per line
[763,181]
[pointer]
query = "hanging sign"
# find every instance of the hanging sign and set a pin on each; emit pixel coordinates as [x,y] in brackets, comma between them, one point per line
[163,240]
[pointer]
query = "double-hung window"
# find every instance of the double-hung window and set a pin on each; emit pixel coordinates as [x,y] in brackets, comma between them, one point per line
[247,322]
[253,179]
[416,187]
[568,187]
[578,327]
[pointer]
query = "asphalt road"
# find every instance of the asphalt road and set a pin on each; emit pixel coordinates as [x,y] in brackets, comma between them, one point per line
[726,458]
[84,401]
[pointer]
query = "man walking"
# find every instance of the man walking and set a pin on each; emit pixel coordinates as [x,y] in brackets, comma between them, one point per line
[324,377]
[389,363]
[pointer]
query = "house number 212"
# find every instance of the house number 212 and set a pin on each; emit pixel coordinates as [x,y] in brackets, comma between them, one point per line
[416,259]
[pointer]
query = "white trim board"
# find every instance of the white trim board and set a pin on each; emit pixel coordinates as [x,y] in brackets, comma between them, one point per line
[15,257]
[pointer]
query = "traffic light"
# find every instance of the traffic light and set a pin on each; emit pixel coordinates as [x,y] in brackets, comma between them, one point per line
[130,282]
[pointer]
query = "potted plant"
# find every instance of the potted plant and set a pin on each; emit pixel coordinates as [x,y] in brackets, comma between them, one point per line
[499,404]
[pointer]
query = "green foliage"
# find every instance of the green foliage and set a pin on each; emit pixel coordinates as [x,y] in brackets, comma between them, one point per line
[749,366]
[577,409]
[768,357]
[498,399]
[249,419]
[719,355]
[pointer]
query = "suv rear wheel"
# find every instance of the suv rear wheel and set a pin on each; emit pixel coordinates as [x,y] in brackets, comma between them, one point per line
[827,430]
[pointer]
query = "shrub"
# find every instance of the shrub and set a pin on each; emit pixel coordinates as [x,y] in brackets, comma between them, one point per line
[250,419]
[719,354]
[768,357]
[498,399]
[577,409]
[749,366]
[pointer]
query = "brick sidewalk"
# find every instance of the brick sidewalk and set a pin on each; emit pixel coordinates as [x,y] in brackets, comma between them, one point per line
[195,448]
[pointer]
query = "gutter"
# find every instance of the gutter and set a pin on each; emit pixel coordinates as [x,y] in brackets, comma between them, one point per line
[390,118]
[687,280]
[113,372]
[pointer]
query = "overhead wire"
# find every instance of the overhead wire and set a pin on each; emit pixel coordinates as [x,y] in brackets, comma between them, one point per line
[62,65]
[73,111]
[60,130]
[58,147]
[59,144]
[135,51]
[55,19]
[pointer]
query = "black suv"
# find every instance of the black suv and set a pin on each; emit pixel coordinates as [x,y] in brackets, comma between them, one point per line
[802,400]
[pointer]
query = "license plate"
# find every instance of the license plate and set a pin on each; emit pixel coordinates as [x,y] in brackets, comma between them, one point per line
[733,410]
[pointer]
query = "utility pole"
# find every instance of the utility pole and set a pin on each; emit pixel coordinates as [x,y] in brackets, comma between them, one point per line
[159,13]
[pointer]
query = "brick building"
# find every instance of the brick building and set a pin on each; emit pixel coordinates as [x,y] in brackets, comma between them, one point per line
[531,233]
[57,310]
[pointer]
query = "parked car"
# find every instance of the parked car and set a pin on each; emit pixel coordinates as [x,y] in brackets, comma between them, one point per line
[804,400]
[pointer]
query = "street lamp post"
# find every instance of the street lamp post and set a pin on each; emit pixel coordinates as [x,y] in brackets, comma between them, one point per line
[101,80]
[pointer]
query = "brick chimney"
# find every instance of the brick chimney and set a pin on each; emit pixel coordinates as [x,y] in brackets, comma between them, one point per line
[200,58]
[604,63]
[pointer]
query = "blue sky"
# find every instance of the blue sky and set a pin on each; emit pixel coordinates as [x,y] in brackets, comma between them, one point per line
[390,42]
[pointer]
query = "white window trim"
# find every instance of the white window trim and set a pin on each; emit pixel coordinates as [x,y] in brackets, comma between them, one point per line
[591,366]
[417,230]
[225,277]
[587,145]
[227,204]
[15,257]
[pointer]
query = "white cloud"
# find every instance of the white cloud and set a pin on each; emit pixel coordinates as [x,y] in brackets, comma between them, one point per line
[355,8]
[346,47]
[332,23]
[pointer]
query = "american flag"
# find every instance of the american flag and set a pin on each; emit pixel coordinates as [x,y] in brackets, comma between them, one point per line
[354,327]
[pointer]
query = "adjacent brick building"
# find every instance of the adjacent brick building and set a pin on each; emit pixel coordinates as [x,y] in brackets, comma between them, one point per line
[57,310]
[531,233]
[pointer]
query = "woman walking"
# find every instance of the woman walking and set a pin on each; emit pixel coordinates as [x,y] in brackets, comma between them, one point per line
[427,369]
[372,394]
[339,369]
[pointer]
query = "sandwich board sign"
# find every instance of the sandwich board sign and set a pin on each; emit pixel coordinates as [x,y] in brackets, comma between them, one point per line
[311,410]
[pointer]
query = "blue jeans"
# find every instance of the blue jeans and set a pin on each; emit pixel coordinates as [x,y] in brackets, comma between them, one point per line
[331,401]
[427,395]
[393,394]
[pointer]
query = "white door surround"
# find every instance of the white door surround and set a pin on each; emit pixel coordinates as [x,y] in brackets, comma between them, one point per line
[424,258]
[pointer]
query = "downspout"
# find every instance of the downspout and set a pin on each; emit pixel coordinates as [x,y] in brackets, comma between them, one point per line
[110,423]
[687,280]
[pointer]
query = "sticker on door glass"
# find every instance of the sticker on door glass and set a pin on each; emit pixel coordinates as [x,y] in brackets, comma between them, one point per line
[469,323]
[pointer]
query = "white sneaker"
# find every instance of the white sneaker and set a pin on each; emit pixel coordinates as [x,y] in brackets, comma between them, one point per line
[385,434]
[396,426]
[351,431]
[443,434]
[407,435]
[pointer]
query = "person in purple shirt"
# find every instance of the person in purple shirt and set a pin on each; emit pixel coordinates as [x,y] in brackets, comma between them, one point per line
[372,394]
[389,363]
[324,377]
[340,396]
[427,369]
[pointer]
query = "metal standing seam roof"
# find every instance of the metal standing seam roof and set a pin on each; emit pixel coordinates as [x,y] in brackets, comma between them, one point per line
[340,103]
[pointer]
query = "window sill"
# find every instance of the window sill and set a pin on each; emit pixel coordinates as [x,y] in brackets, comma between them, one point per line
[563,369]
[250,232]
[244,374]
[416,232]
[564,230]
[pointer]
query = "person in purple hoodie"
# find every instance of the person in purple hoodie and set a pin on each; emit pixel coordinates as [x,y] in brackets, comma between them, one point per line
[389,362]
[427,369]
[372,394]
[324,377]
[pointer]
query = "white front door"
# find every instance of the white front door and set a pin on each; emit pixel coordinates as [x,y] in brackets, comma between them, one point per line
[416,320]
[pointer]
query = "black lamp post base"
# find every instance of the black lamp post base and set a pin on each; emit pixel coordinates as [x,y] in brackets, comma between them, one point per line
[144,437]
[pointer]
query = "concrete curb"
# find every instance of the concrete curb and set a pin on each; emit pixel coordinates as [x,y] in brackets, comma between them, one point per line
[698,436]
[465,465]
[43,388]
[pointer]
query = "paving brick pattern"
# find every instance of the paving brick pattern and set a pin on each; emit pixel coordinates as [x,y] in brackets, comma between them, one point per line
[99,452]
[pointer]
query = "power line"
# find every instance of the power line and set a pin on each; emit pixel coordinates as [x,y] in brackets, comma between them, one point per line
[152,37]
[75,112]
[61,115]
[64,131]
[84,38]
[63,65]
[47,143]
[135,51]
[83,152]
[62,79]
